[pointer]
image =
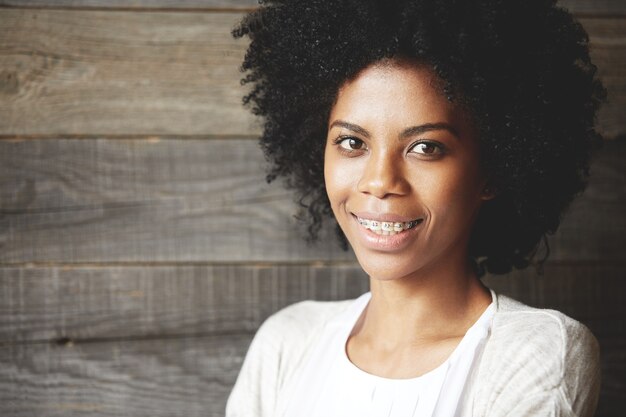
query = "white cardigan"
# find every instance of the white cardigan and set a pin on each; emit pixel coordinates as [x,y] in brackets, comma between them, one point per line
[536,362]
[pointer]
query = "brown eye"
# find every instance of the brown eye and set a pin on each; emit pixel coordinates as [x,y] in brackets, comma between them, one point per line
[427,148]
[352,144]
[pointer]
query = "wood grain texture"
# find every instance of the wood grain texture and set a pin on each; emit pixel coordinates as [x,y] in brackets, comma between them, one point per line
[594,7]
[85,303]
[608,52]
[128,200]
[115,72]
[153,378]
[613,361]
[155,73]
[205,200]
[592,293]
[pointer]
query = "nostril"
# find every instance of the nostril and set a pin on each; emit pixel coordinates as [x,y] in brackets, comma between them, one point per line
[382,185]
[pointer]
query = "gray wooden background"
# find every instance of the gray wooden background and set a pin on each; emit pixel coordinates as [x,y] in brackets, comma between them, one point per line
[140,247]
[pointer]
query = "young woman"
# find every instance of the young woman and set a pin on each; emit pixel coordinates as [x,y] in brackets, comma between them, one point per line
[446,138]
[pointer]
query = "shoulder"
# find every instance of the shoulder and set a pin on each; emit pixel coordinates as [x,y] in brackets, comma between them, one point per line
[278,347]
[541,356]
[300,318]
[547,334]
[289,331]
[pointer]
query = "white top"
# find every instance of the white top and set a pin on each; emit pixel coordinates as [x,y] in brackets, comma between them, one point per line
[535,362]
[330,385]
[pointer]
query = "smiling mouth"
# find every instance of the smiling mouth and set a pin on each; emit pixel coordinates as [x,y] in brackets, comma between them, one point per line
[387,228]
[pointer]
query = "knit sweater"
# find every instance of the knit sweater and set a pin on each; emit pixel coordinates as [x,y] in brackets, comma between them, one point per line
[536,362]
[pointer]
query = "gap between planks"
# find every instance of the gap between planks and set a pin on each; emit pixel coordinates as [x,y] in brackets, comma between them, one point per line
[69,342]
[156,9]
[138,137]
[217,9]
[181,137]
[259,264]
[76,265]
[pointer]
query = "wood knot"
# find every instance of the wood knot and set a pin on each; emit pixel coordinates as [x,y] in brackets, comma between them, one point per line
[9,83]
[64,341]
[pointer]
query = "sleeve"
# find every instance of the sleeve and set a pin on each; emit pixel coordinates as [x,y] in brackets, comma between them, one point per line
[581,380]
[546,404]
[255,391]
[577,390]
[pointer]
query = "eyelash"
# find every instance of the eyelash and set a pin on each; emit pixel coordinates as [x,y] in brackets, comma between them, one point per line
[346,151]
[439,148]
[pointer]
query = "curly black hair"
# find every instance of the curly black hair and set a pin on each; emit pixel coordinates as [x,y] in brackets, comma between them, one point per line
[520,67]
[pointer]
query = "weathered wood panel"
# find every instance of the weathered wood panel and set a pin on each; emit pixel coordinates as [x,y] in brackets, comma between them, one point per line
[592,293]
[613,361]
[595,7]
[129,200]
[112,72]
[95,302]
[206,200]
[155,73]
[604,7]
[51,303]
[153,378]
[608,50]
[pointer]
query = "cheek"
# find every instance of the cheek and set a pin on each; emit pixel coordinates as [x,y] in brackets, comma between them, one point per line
[449,191]
[338,177]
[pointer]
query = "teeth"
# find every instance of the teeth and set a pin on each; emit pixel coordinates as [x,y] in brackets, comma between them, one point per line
[387,228]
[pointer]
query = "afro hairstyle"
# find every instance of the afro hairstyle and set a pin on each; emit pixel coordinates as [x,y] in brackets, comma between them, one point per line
[521,68]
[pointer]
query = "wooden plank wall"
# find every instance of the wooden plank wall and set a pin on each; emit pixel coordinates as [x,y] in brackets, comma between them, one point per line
[140,247]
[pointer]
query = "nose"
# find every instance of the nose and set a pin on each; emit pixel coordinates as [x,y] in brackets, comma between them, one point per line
[383,176]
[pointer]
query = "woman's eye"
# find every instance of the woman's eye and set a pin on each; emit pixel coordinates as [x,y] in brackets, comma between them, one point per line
[352,144]
[427,148]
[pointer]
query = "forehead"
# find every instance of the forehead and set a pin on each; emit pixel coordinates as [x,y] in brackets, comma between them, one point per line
[394,91]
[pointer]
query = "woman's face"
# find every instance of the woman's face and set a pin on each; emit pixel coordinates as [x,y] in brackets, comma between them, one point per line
[402,171]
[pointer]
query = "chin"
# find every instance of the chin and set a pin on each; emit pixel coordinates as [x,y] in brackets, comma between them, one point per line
[380,269]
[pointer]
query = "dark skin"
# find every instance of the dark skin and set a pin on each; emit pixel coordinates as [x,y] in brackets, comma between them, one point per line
[397,150]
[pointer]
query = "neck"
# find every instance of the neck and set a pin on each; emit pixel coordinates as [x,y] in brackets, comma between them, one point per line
[429,305]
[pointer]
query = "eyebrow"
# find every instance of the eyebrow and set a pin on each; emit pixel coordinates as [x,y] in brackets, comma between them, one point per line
[410,131]
[427,127]
[355,128]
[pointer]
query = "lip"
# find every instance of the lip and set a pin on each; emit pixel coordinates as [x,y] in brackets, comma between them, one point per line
[385,243]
